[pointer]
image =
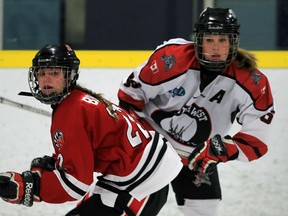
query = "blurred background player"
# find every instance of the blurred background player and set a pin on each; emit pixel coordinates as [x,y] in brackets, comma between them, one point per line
[192,92]
[89,135]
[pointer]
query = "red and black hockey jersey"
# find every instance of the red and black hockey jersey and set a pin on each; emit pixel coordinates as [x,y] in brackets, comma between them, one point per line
[165,90]
[88,140]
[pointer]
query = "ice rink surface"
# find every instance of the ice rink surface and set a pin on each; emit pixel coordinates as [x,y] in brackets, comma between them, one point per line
[258,188]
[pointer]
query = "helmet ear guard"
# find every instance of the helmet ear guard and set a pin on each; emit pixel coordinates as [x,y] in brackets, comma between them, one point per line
[54,56]
[216,21]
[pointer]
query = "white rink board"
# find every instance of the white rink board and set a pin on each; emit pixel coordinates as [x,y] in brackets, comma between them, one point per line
[249,189]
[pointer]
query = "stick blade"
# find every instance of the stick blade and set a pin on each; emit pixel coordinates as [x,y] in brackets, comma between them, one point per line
[22,93]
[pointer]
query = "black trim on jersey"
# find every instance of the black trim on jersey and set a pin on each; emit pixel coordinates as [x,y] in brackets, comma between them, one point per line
[108,187]
[159,115]
[255,149]
[138,182]
[125,105]
[150,156]
[122,200]
[69,184]
[234,114]
[163,81]
[134,182]
[148,174]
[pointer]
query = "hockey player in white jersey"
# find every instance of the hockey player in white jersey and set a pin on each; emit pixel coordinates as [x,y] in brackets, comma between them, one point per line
[192,92]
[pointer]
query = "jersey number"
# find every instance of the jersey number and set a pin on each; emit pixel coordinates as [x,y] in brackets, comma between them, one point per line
[130,82]
[135,138]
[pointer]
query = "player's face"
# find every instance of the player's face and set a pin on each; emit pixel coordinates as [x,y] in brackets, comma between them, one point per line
[51,80]
[216,47]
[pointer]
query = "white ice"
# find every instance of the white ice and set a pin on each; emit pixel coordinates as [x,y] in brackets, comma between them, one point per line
[258,188]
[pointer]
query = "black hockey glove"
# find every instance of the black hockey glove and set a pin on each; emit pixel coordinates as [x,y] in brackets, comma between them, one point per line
[20,188]
[124,105]
[43,163]
[207,155]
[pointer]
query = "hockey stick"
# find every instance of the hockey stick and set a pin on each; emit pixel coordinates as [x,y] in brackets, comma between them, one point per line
[25,93]
[24,106]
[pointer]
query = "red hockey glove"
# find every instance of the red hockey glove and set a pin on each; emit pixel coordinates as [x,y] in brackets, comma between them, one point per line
[19,188]
[207,155]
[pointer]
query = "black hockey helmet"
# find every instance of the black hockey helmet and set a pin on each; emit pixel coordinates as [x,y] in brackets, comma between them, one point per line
[54,56]
[217,21]
[221,20]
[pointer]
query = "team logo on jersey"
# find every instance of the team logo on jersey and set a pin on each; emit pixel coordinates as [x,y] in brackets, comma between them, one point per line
[194,125]
[169,61]
[58,139]
[177,92]
[256,77]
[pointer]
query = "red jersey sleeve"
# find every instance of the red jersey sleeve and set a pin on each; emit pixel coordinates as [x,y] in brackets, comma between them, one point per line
[87,139]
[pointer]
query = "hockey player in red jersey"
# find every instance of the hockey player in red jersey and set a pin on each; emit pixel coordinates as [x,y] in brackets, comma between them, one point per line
[192,92]
[89,135]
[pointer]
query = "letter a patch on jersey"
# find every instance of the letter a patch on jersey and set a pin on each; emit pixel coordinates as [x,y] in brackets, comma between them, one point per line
[218,97]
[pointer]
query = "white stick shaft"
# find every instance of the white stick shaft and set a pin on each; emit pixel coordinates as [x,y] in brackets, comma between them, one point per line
[24,106]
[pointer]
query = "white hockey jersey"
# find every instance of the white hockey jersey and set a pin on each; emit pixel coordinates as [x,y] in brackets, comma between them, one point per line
[165,91]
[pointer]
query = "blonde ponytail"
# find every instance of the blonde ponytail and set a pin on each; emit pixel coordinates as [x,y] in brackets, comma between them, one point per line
[245,59]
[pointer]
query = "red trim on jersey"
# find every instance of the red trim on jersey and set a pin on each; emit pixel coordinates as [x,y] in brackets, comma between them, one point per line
[127,98]
[136,206]
[184,161]
[179,57]
[255,83]
[252,147]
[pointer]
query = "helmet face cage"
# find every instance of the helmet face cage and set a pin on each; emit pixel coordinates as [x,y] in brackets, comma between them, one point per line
[54,97]
[216,21]
[54,56]
[220,65]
